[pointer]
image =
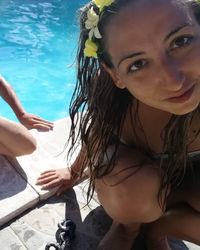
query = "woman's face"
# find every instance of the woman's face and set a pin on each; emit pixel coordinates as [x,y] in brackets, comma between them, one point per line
[155,49]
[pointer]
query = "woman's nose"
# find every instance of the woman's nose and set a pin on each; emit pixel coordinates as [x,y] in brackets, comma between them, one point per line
[172,76]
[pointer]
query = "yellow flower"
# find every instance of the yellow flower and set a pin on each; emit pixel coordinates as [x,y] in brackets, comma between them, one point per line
[90,49]
[103,3]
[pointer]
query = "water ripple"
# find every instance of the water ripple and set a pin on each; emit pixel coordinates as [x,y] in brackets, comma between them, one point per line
[37,42]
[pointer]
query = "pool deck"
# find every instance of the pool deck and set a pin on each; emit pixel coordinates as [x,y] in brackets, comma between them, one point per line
[29,215]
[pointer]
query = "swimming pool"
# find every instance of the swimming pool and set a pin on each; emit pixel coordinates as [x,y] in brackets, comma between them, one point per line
[37,46]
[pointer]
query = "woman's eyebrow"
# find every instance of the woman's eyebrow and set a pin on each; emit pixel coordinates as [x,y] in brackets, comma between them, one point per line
[177,30]
[166,38]
[130,56]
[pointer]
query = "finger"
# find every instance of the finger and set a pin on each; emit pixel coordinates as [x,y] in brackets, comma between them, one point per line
[41,123]
[47,175]
[35,122]
[39,119]
[52,184]
[47,180]
[48,171]
[42,127]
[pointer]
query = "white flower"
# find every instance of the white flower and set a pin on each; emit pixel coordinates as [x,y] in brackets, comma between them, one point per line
[92,24]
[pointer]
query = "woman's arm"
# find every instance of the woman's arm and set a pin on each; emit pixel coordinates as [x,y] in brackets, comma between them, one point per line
[28,120]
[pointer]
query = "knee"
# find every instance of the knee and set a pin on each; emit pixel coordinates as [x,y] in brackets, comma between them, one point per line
[134,200]
[30,147]
[27,146]
[136,210]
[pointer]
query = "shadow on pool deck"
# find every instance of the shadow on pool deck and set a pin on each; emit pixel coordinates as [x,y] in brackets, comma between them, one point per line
[7,177]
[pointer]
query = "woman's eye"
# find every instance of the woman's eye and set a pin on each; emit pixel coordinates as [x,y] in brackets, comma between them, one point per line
[137,65]
[181,42]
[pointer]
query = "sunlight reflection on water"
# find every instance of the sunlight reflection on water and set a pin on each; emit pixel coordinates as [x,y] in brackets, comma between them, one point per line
[37,44]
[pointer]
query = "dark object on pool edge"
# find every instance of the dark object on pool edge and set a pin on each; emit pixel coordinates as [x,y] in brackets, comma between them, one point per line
[64,236]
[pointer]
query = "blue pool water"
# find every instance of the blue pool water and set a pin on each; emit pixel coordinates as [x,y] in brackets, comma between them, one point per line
[38,42]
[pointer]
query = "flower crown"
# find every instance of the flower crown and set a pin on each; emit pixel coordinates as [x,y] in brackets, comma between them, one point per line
[91,24]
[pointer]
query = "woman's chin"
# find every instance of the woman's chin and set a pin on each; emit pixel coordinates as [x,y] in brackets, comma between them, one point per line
[184,110]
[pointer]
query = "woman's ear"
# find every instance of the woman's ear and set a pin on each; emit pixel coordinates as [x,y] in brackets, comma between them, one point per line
[114,76]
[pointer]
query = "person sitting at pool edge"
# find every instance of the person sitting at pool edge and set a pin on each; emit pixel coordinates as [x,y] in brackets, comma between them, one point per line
[30,121]
[138,76]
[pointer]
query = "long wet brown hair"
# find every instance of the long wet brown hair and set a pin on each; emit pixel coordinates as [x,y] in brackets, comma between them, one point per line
[98,109]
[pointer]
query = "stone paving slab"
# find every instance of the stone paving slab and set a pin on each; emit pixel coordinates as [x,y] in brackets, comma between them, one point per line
[18,191]
[50,154]
[10,241]
[16,195]
[37,227]
[34,229]
[29,167]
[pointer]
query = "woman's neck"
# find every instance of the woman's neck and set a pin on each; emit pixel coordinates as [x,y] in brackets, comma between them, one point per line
[146,127]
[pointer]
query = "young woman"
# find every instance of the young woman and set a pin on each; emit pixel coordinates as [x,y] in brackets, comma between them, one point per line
[139,80]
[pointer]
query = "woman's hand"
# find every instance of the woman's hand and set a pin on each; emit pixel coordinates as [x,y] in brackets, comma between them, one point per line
[63,178]
[31,121]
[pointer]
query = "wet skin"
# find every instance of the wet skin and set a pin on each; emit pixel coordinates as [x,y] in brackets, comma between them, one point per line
[155,50]
[157,59]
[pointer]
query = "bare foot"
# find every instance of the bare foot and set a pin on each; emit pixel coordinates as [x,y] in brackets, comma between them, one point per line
[161,244]
[118,238]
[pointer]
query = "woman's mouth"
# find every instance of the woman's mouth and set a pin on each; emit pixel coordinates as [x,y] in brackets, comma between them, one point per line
[183,97]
